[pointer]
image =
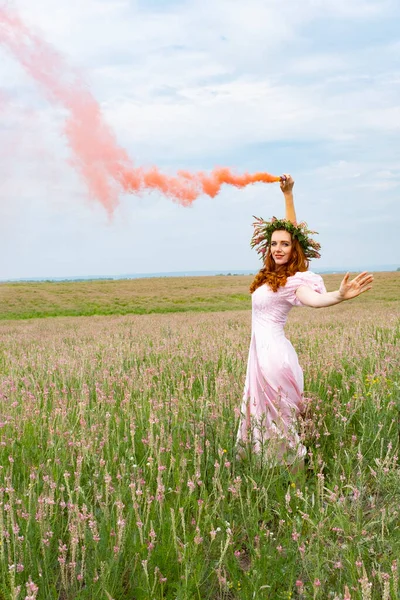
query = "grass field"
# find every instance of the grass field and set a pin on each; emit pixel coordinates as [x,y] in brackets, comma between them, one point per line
[144,296]
[118,473]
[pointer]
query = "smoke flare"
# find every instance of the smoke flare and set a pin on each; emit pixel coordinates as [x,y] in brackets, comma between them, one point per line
[105,166]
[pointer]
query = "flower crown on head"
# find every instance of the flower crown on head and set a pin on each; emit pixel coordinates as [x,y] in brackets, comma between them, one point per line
[263,231]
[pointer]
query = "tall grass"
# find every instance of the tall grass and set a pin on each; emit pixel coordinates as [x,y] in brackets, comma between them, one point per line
[119,477]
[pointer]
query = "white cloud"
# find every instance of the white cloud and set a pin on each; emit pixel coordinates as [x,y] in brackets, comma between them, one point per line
[196,83]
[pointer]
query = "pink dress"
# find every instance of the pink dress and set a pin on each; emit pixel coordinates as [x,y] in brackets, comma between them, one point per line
[274,379]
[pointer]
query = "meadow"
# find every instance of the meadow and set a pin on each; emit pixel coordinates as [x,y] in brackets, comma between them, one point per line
[148,296]
[118,472]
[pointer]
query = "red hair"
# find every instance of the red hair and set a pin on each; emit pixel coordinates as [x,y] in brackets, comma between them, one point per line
[276,277]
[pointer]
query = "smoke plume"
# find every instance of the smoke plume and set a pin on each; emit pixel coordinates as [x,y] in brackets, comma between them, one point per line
[106,167]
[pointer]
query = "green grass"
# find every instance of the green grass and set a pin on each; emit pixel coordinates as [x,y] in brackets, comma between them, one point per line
[148,296]
[119,476]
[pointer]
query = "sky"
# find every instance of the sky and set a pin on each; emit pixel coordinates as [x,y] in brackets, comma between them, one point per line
[310,88]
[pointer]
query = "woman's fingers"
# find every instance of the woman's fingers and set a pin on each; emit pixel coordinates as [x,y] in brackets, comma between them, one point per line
[361,276]
[363,282]
[364,279]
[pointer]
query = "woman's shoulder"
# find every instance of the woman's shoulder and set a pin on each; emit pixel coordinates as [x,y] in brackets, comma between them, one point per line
[308,278]
[304,275]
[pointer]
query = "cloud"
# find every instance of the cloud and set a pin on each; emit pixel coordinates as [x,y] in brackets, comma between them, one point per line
[198,84]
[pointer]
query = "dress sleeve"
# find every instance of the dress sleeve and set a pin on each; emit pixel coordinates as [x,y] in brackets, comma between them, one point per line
[311,280]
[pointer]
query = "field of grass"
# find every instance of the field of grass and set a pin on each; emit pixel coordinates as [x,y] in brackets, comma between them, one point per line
[118,472]
[144,296]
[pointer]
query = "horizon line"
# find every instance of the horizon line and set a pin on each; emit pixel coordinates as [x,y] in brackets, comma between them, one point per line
[188,273]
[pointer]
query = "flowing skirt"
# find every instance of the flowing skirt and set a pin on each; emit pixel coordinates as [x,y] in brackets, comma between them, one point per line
[272,400]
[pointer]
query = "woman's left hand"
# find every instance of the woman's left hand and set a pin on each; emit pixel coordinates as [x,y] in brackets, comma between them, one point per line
[355,287]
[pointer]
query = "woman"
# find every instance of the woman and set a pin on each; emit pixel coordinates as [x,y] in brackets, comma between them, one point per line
[273,390]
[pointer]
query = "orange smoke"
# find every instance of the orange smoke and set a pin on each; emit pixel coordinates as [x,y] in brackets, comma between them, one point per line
[186,186]
[106,167]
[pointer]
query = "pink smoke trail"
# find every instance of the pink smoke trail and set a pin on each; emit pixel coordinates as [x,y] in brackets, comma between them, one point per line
[105,166]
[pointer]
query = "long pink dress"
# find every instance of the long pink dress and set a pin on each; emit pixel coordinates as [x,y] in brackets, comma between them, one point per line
[274,379]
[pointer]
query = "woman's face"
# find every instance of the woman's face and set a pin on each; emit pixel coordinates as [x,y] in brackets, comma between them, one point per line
[281,247]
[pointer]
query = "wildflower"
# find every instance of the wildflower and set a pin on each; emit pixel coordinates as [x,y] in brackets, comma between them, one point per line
[365,587]
[221,578]
[32,587]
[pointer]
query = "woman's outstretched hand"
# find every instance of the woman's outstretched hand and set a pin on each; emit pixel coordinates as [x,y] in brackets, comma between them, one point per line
[287,183]
[355,287]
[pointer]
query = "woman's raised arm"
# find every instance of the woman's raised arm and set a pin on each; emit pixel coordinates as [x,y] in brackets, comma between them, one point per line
[348,289]
[287,189]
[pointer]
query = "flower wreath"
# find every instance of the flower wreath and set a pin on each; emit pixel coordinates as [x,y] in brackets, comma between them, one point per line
[263,231]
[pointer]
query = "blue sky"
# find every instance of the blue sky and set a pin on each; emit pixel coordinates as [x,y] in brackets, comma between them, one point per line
[311,88]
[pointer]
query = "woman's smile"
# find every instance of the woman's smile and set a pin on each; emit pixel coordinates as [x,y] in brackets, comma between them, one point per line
[281,246]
